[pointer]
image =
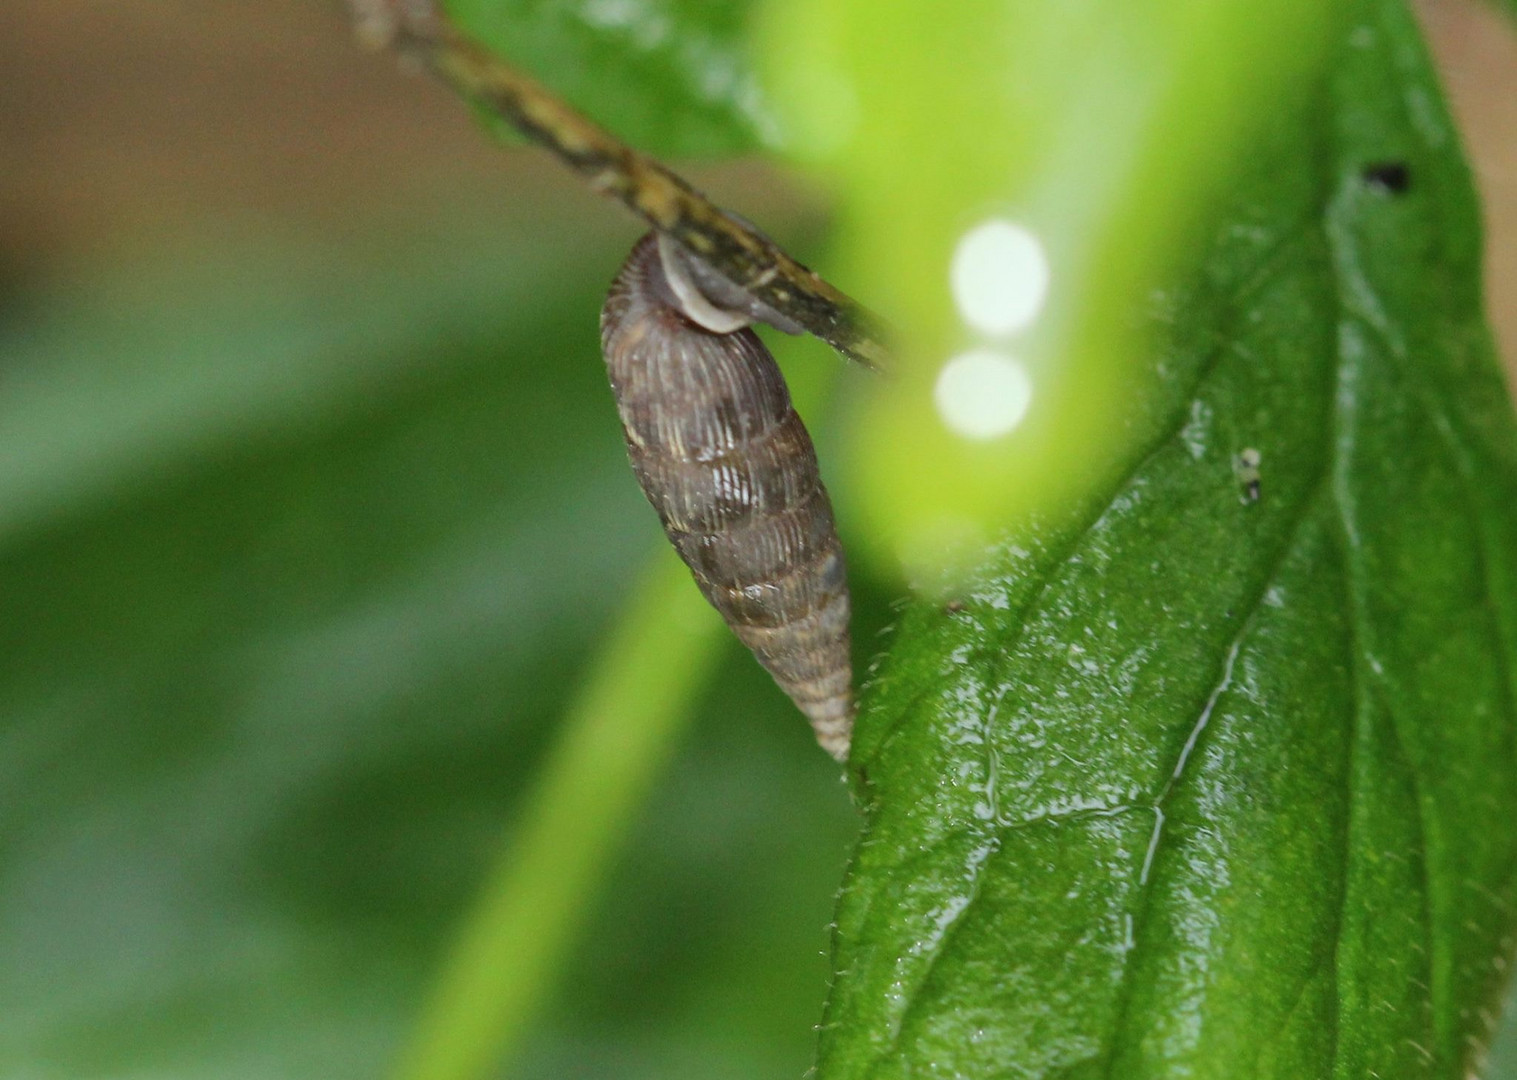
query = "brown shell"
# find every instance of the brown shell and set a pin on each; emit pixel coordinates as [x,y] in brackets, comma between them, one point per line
[726,462]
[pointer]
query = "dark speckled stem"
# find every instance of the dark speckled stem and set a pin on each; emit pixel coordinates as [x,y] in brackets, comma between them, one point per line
[739,254]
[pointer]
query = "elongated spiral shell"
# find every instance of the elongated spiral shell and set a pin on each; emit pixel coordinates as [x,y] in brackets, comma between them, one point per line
[724,459]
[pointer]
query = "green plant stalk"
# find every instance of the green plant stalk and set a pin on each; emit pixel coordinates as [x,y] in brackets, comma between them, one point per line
[616,737]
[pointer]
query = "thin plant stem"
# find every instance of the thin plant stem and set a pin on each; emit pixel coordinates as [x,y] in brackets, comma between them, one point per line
[615,740]
[727,245]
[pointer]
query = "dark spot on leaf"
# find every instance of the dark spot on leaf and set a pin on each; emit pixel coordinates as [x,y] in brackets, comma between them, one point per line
[1246,466]
[1391,177]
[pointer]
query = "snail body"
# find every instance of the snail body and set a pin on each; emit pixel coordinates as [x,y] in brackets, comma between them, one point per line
[722,455]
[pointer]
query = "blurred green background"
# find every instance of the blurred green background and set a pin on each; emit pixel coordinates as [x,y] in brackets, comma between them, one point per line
[312,509]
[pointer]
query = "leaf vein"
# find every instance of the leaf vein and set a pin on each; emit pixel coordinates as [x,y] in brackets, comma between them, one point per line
[1197,730]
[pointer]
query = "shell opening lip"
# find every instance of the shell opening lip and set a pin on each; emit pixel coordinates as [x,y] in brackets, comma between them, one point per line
[694,304]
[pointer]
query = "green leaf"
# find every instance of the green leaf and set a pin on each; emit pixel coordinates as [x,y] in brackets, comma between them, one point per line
[1097,138]
[1206,786]
[671,77]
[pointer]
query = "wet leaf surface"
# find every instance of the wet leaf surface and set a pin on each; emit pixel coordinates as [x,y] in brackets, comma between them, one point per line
[1213,784]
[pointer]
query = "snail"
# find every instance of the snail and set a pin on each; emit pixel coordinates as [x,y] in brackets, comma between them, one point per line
[714,441]
[726,462]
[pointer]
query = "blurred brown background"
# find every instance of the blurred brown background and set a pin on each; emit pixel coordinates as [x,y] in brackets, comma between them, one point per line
[1476,47]
[125,124]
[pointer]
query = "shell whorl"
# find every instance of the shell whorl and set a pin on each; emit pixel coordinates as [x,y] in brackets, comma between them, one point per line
[725,460]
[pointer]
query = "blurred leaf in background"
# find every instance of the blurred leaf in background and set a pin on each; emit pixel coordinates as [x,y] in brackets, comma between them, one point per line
[673,76]
[1009,178]
[268,703]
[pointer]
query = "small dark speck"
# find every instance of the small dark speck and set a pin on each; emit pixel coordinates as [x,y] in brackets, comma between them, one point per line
[1246,465]
[1392,177]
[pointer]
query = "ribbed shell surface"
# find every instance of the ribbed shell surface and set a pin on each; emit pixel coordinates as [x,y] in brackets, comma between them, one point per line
[724,459]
